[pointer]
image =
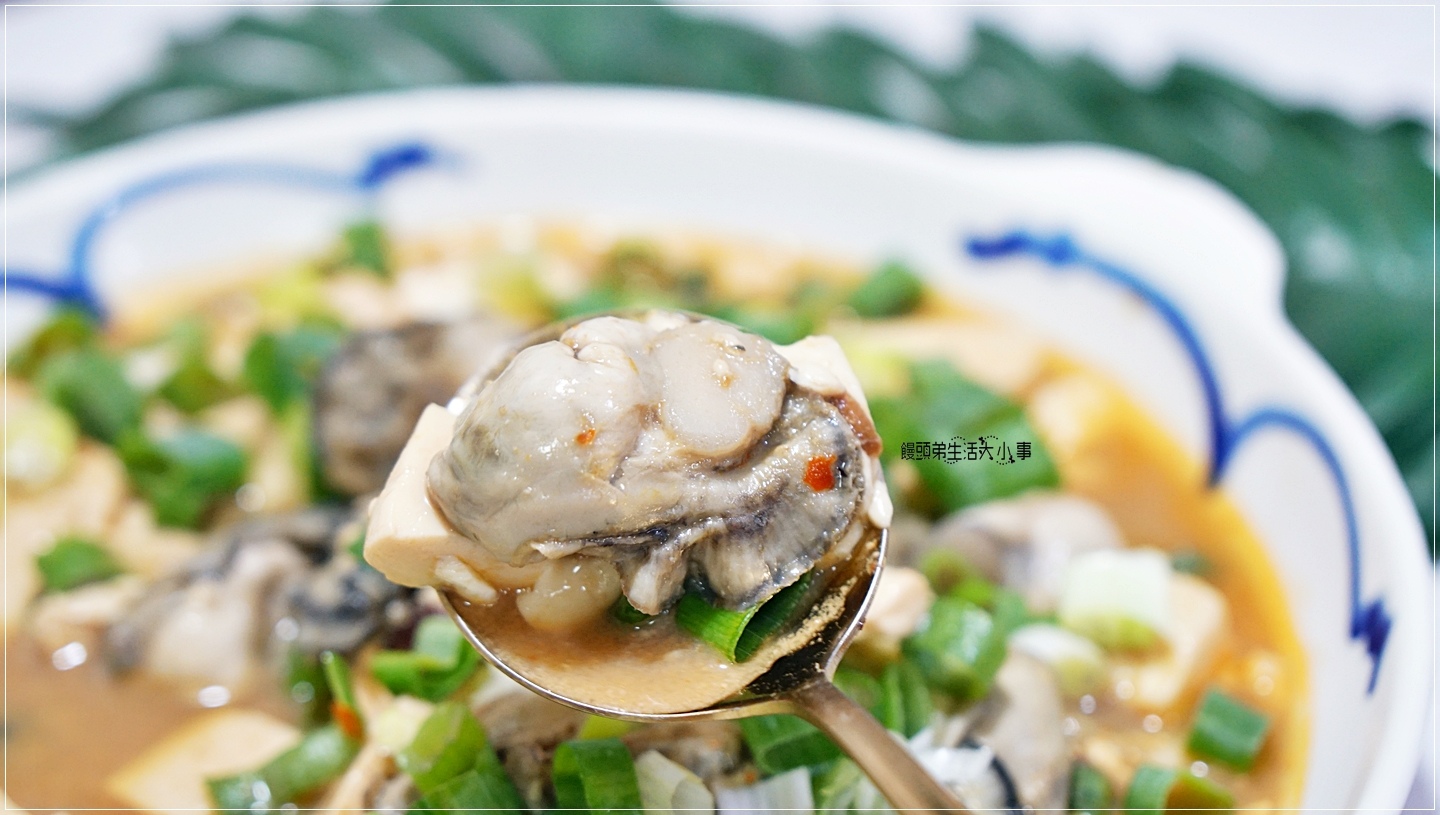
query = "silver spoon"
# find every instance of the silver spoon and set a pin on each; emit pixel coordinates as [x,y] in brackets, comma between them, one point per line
[798,683]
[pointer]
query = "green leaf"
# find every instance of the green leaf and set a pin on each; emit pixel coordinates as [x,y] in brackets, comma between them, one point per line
[597,775]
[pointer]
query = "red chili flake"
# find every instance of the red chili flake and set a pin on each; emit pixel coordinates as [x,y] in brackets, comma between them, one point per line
[584,437]
[348,720]
[820,473]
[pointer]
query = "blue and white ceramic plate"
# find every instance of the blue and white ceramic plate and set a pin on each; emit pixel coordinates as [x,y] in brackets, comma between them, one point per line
[1155,276]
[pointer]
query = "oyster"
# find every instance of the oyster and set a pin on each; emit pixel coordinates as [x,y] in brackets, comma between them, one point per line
[682,450]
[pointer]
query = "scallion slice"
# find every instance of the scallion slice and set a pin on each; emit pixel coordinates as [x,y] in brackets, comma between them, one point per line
[280,367]
[739,634]
[1090,792]
[439,662]
[193,385]
[344,707]
[364,246]
[73,562]
[596,775]
[779,743]
[320,757]
[448,743]
[961,645]
[893,289]
[667,788]
[474,791]
[1228,731]
[1159,790]
[628,614]
[183,475]
[92,388]
[68,329]
[1119,598]
[905,704]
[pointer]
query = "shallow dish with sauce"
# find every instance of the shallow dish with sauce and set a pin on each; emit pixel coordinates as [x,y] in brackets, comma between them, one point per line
[1132,310]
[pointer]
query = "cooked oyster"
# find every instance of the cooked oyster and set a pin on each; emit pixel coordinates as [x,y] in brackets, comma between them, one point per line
[372,390]
[671,446]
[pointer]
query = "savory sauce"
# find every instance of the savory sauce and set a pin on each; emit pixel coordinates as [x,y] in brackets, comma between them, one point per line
[67,732]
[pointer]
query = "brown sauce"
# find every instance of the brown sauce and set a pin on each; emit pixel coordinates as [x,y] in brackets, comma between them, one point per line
[67,732]
[648,668]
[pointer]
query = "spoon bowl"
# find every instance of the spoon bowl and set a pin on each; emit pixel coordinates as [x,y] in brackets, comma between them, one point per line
[790,674]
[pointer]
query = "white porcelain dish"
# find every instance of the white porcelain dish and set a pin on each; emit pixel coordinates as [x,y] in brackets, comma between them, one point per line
[1154,275]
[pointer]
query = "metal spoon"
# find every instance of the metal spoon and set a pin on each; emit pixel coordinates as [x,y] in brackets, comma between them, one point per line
[798,683]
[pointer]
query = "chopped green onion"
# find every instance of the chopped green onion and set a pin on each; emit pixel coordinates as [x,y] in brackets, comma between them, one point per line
[780,324]
[1120,598]
[305,685]
[1228,731]
[1149,789]
[280,367]
[1159,790]
[739,634]
[194,385]
[439,662]
[68,329]
[905,704]
[961,645]
[1077,662]
[600,727]
[844,789]
[780,742]
[892,290]
[668,787]
[345,708]
[295,295]
[977,590]
[627,614]
[320,757]
[364,246]
[596,775]
[1191,562]
[1090,792]
[40,443]
[183,475]
[944,408]
[944,568]
[92,388]
[474,791]
[394,726]
[448,743]
[591,301]
[73,562]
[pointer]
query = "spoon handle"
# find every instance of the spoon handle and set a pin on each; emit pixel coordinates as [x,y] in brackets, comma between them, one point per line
[896,773]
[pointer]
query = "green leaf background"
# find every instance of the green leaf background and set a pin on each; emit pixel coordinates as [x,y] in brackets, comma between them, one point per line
[1351,204]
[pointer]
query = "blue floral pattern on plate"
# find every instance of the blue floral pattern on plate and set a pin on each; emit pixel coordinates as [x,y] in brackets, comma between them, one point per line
[1369,621]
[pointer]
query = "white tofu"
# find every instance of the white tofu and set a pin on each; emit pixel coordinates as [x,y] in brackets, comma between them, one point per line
[411,544]
[407,537]
[170,777]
